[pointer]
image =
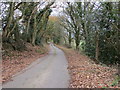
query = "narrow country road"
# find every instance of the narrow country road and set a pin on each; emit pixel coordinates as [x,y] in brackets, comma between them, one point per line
[47,72]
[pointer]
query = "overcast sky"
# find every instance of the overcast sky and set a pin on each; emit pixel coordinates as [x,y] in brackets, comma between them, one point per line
[59,8]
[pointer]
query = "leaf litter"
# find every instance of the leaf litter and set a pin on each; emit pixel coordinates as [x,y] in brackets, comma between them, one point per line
[86,74]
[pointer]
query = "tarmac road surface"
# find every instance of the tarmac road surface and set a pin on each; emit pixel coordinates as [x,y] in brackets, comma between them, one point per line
[47,72]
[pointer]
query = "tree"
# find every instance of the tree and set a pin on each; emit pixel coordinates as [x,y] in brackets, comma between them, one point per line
[98,25]
[22,21]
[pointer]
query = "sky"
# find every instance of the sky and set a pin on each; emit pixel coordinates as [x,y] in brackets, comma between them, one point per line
[59,8]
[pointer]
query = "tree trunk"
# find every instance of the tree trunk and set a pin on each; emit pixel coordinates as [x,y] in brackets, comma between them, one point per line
[35,31]
[97,47]
[11,12]
[77,40]
[70,38]
[65,40]
[118,41]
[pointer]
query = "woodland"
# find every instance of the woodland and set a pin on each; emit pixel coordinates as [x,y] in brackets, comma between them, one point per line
[92,28]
